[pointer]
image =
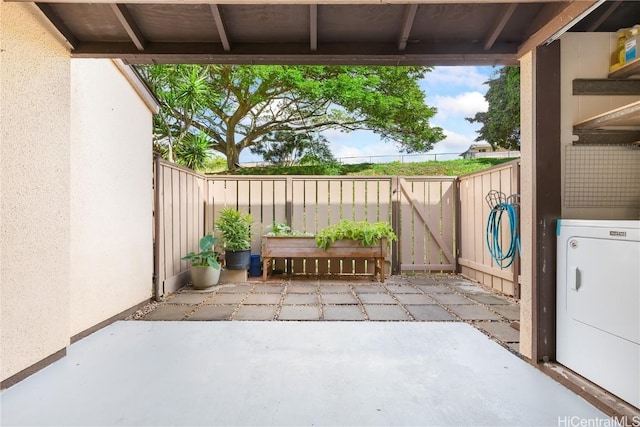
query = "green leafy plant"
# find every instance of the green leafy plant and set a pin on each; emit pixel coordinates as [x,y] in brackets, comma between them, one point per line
[283,230]
[235,228]
[364,232]
[206,257]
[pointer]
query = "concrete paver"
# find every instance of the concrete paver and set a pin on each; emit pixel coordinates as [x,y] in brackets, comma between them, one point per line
[415,299]
[169,312]
[435,289]
[188,298]
[511,312]
[213,312]
[291,299]
[385,312]
[234,289]
[226,298]
[403,289]
[450,299]
[334,289]
[257,299]
[302,289]
[270,289]
[299,312]
[259,312]
[473,312]
[502,331]
[423,280]
[342,312]
[338,299]
[489,299]
[471,289]
[369,289]
[377,299]
[429,313]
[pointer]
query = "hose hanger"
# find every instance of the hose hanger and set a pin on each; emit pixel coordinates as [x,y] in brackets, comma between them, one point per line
[499,203]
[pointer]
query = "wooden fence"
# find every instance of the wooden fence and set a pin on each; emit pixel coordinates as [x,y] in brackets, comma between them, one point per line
[422,211]
[474,259]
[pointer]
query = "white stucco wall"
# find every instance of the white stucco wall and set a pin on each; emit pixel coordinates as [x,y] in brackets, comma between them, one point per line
[35,201]
[111,194]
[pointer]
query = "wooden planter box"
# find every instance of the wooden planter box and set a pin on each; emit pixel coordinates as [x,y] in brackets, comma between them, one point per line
[306,247]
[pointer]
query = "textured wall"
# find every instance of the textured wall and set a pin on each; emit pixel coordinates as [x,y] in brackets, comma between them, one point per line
[34,153]
[527,191]
[111,194]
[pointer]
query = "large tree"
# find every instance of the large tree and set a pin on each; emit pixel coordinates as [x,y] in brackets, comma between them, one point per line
[501,122]
[236,107]
[286,148]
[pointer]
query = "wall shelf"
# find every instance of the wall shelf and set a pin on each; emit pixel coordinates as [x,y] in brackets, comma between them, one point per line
[627,70]
[626,117]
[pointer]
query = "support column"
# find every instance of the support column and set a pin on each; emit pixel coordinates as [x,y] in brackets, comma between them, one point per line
[541,198]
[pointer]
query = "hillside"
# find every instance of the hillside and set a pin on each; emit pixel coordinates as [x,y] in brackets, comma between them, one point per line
[430,168]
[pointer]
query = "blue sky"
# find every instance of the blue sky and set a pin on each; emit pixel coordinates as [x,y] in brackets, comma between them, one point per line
[457,92]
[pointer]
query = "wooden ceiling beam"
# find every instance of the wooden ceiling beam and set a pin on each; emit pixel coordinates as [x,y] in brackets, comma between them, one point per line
[568,15]
[299,53]
[313,27]
[499,24]
[59,24]
[222,31]
[297,2]
[129,24]
[407,24]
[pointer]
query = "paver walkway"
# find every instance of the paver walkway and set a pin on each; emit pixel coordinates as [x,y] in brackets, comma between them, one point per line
[413,298]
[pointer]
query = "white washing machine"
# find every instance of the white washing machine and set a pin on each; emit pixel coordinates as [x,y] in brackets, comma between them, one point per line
[598,303]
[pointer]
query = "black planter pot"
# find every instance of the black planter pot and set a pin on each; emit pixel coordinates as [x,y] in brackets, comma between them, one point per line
[237,260]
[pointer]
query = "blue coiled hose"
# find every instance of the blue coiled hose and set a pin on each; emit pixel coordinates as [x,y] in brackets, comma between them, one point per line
[494,225]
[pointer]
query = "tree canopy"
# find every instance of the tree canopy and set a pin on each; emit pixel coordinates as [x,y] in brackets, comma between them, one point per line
[236,107]
[286,148]
[501,122]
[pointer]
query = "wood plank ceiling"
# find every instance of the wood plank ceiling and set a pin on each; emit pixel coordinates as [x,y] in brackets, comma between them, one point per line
[428,32]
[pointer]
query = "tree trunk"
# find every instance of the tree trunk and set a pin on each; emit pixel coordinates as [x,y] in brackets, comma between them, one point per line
[233,159]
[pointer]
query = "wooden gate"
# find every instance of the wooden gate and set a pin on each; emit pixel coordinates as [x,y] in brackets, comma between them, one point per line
[426,218]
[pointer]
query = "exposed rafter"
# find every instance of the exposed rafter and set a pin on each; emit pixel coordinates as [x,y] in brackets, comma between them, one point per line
[222,31]
[499,24]
[313,27]
[59,24]
[129,24]
[407,24]
[562,19]
[612,8]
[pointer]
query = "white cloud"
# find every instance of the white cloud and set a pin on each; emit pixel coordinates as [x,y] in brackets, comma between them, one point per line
[470,77]
[464,105]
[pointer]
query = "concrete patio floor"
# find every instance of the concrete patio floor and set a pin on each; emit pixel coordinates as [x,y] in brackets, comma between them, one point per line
[411,298]
[291,373]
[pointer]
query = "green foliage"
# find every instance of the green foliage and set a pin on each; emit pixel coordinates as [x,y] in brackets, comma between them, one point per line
[183,91]
[236,106]
[235,228]
[286,148]
[279,229]
[206,256]
[367,233]
[501,122]
[192,151]
[431,168]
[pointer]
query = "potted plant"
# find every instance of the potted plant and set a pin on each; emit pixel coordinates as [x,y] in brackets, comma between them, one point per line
[235,229]
[205,269]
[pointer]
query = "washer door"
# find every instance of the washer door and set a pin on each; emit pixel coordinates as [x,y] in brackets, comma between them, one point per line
[603,285]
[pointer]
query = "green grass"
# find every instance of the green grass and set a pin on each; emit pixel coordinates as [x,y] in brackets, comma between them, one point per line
[430,168]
